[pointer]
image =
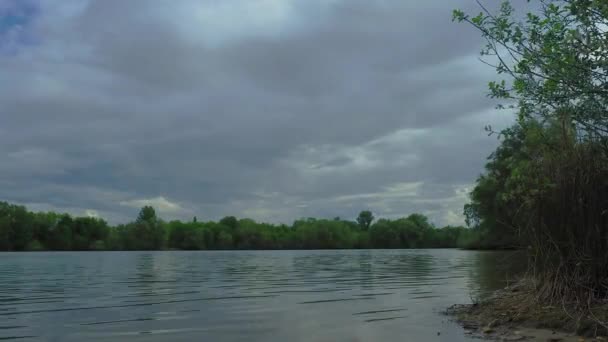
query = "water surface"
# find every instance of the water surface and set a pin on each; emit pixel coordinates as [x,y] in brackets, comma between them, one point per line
[360,295]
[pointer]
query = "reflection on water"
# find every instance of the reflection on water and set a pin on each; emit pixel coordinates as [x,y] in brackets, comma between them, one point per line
[369,295]
[492,270]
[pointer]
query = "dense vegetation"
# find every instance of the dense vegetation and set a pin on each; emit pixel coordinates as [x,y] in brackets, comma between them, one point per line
[546,187]
[22,230]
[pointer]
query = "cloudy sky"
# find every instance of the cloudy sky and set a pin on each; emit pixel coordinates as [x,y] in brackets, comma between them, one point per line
[269,109]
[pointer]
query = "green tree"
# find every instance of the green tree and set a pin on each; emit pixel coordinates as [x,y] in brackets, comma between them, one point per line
[147,214]
[556,59]
[20,226]
[147,232]
[87,231]
[230,222]
[383,234]
[118,238]
[42,225]
[186,236]
[223,240]
[365,219]
[492,210]
[5,234]
[552,191]
[61,234]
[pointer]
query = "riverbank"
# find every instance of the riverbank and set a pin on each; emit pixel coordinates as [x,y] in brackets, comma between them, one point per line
[514,314]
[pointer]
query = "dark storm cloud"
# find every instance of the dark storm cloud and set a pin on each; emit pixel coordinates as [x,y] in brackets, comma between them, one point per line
[269,109]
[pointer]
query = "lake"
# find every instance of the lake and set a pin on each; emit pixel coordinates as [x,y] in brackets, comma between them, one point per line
[354,295]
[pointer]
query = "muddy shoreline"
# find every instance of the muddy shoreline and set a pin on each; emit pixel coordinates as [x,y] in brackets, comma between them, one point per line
[514,314]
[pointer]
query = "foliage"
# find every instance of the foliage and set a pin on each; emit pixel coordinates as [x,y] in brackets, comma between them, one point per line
[52,231]
[492,208]
[146,214]
[556,58]
[546,183]
[365,219]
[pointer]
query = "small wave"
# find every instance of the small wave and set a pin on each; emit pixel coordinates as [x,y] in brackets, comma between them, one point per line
[378,311]
[8,338]
[375,294]
[383,319]
[334,300]
[119,321]
[132,305]
[425,297]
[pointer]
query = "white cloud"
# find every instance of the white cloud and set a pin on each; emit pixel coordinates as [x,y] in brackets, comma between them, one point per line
[91,213]
[159,203]
[219,21]
[399,190]
[320,160]
[450,208]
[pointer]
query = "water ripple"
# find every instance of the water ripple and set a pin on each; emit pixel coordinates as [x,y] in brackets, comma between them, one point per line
[237,296]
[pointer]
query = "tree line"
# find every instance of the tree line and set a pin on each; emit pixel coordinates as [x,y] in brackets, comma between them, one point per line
[23,230]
